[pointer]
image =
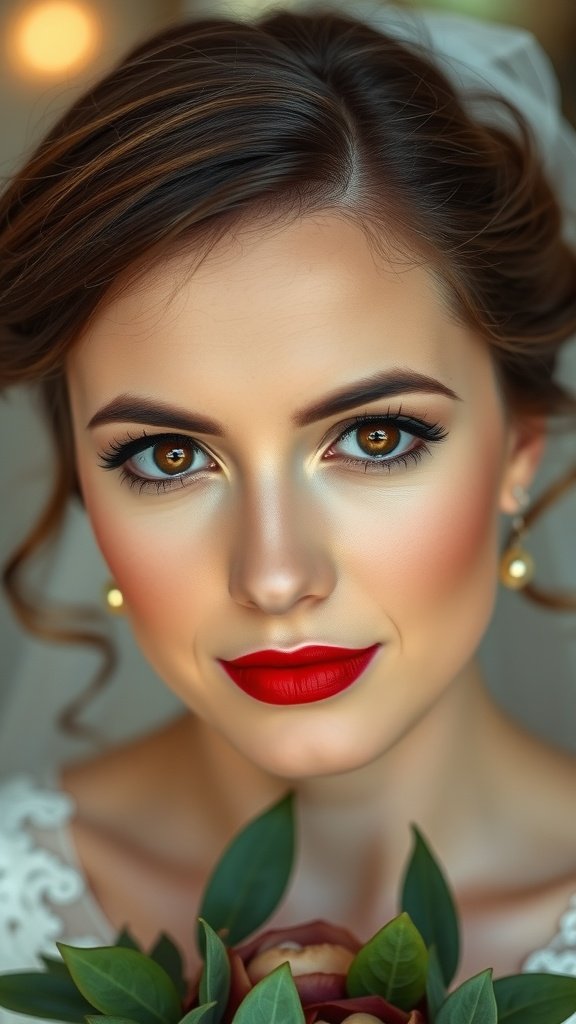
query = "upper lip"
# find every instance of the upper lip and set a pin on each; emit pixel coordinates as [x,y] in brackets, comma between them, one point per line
[301,656]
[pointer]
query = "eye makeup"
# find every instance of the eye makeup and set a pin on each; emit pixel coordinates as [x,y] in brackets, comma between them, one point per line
[146,461]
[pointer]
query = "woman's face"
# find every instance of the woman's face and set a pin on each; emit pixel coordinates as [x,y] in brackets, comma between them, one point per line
[274,527]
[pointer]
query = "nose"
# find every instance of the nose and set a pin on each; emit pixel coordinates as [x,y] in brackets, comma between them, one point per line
[280,554]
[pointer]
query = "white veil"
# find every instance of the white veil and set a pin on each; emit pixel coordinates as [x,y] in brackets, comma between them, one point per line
[529,654]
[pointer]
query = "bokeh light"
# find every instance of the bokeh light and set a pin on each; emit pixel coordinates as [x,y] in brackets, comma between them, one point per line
[54,37]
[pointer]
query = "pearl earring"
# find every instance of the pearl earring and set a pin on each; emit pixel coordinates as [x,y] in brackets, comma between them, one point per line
[114,598]
[516,564]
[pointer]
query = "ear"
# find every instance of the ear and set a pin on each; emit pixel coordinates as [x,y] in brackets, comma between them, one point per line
[526,444]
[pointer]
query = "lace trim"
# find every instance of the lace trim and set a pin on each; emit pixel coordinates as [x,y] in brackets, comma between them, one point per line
[34,882]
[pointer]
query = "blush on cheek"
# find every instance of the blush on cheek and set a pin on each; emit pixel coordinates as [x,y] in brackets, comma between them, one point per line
[168,565]
[435,567]
[458,539]
[139,560]
[450,574]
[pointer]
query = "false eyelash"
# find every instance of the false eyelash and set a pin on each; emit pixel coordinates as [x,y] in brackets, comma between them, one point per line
[427,432]
[141,483]
[118,452]
[387,465]
[420,427]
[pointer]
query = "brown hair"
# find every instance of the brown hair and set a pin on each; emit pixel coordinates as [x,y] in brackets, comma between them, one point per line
[216,121]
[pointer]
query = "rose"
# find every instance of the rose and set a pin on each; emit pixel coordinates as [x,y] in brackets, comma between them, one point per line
[365,1010]
[319,955]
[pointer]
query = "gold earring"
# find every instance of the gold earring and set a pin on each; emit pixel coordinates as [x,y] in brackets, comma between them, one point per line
[114,598]
[516,564]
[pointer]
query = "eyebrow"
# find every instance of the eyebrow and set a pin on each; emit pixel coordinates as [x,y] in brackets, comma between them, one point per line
[386,384]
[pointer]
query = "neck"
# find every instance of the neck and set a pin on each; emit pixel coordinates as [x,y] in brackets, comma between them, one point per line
[443,776]
[440,776]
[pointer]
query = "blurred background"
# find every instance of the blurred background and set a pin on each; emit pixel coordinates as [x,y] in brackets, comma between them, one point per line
[51,50]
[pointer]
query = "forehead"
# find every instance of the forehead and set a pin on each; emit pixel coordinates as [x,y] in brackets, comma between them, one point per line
[311,297]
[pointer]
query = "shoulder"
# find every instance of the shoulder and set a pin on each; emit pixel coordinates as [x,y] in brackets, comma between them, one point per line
[546,830]
[553,789]
[534,788]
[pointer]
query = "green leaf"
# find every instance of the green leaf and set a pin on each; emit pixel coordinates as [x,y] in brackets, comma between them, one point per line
[274,1000]
[435,987]
[392,964]
[49,996]
[199,1013]
[535,998]
[472,1003]
[92,1018]
[249,880]
[126,940]
[427,898]
[215,979]
[166,953]
[123,983]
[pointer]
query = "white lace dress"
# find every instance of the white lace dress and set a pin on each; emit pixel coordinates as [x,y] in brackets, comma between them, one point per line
[44,896]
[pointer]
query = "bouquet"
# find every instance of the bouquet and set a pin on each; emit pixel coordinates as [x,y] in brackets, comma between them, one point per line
[315,973]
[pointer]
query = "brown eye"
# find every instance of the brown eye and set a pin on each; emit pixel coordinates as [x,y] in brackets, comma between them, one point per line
[168,457]
[172,458]
[384,442]
[379,440]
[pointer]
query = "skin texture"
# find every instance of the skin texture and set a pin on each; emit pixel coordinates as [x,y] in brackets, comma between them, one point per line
[275,547]
[278,543]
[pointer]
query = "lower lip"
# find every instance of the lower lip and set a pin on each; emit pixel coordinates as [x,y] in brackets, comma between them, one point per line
[300,684]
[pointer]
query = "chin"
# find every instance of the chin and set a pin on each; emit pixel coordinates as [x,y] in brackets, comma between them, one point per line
[298,756]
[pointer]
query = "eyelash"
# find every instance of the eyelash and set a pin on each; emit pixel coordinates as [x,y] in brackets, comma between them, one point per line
[120,452]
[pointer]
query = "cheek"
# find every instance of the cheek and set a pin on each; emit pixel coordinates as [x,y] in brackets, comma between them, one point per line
[452,539]
[164,561]
[430,558]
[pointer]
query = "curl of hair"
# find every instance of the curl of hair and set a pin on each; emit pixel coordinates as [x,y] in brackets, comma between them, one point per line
[216,122]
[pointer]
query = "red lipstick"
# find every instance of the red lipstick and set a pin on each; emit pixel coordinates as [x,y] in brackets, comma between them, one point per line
[298,677]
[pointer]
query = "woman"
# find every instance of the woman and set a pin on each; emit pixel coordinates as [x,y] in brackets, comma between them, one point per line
[295,314]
